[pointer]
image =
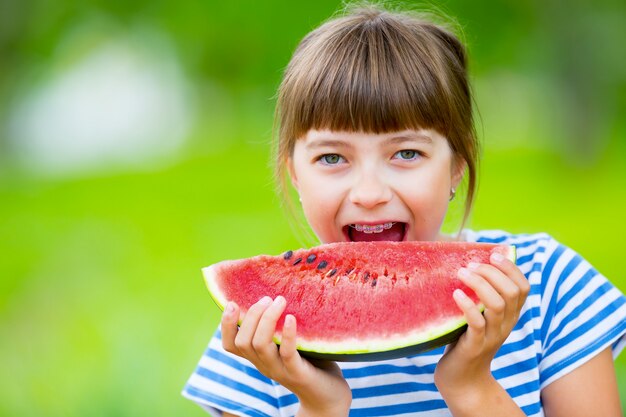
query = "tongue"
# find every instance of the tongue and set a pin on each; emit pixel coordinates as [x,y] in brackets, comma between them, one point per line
[394,234]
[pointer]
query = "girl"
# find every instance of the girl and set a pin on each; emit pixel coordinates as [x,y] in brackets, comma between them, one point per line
[376,134]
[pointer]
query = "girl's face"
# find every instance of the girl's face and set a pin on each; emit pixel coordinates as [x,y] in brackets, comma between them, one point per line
[366,186]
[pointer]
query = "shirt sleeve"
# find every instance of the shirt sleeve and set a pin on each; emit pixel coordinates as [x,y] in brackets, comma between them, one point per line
[223,382]
[583,313]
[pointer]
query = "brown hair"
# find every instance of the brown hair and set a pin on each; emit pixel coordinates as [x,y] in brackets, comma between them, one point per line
[376,70]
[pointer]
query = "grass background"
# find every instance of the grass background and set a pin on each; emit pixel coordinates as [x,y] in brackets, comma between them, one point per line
[103,311]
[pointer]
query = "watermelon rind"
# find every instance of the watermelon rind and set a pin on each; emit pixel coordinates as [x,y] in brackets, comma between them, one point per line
[388,348]
[355,350]
[214,290]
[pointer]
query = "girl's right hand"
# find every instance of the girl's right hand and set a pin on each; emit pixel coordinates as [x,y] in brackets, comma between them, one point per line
[319,386]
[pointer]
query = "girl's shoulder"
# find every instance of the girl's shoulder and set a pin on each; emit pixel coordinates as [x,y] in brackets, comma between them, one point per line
[535,251]
[504,237]
[532,241]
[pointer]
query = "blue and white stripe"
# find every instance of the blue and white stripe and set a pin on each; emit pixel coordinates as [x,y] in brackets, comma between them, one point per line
[571,314]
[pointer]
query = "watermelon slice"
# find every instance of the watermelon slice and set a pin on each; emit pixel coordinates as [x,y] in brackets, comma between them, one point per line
[358,301]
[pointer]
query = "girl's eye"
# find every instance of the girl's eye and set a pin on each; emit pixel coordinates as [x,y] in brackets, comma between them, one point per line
[331,159]
[406,155]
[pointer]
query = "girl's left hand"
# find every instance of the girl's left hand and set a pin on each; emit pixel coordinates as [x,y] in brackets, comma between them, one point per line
[503,289]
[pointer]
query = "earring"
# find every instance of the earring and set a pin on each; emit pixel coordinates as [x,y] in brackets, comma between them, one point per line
[452,194]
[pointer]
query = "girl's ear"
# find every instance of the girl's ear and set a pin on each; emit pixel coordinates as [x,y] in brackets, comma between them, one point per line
[458,170]
[292,173]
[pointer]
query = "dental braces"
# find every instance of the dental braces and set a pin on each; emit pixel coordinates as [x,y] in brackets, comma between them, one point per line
[365,228]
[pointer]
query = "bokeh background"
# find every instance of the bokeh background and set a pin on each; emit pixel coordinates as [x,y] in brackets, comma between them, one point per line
[134,150]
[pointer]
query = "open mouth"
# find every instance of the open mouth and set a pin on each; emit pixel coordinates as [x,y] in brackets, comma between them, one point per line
[387,231]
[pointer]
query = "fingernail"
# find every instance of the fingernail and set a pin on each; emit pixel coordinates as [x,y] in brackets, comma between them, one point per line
[459,294]
[497,257]
[464,272]
[280,300]
[265,301]
[230,308]
[473,265]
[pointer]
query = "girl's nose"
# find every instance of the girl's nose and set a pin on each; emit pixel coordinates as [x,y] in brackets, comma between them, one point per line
[369,190]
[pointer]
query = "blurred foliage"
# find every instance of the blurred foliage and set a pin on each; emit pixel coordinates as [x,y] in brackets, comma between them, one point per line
[102,306]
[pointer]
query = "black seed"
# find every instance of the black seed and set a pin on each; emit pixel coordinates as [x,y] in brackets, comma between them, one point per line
[332,272]
[374,282]
[310,258]
[297,261]
[366,277]
[349,270]
[288,254]
[322,265]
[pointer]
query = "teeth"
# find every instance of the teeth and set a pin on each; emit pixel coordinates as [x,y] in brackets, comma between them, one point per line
[376,228]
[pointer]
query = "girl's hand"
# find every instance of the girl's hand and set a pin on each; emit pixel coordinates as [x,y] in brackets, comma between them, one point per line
[319,386]
[465,367]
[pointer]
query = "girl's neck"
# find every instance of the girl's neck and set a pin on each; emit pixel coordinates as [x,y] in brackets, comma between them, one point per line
[457,237]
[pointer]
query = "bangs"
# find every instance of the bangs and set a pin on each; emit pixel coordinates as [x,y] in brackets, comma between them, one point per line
[371,77]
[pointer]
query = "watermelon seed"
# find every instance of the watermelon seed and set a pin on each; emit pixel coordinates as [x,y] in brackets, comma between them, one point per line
[366,277]
[349,270]
[331,272]
[288,254]
[310,258]
[374,282]
[297,261]
[322,265]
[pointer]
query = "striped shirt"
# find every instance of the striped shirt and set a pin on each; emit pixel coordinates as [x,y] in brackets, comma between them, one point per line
[571,314]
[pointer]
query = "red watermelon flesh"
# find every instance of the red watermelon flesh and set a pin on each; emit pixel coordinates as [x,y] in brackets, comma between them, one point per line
[359,300]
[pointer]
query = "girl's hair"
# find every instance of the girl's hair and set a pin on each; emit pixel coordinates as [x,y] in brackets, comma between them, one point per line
[378,71]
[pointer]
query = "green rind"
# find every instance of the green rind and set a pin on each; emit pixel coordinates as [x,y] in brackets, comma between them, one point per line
[213,291]
[449,334]
[512,255]
[400,352]
[407,346]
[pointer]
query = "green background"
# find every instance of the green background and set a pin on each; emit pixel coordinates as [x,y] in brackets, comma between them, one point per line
[103,311]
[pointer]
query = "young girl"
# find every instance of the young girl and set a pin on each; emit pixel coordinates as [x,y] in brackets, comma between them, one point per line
[376,134]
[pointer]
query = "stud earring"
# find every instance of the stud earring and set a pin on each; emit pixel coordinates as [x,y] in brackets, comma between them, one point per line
[452,194]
